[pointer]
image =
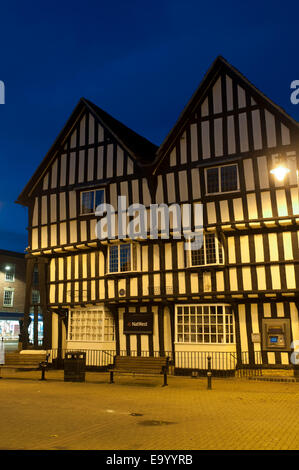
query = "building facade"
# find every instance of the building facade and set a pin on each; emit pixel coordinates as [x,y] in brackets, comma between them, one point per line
[235,297]
[12,295]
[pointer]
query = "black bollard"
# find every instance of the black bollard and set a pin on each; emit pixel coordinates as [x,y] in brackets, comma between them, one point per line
[209,373]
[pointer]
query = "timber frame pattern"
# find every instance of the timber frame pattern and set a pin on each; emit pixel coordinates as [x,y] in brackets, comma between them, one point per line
[227,121]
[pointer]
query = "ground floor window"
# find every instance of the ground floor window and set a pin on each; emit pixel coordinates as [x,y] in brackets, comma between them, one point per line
[91,325]
[209,324]
[9,329]
[40,329]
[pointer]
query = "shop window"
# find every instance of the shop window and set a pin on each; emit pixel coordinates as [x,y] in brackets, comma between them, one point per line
[204,324]
[92,325]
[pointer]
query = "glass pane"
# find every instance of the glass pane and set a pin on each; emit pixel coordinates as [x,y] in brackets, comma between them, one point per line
[87,202]
[125,258]
[99,197]
[210,248]
[212,180]
[113,259]
[197,257]
[229,178]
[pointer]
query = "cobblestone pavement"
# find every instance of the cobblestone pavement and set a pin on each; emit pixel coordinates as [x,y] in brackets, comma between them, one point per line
[139,414]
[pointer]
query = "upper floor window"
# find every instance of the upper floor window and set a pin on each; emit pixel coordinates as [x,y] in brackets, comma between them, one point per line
[90,200]
[122,258]
[35,276]
[222,179]
[35,297]
[9,272]
[8,297]
[211,252]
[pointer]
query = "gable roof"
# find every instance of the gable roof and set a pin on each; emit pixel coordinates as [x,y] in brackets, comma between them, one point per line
[218,65]
[139,148]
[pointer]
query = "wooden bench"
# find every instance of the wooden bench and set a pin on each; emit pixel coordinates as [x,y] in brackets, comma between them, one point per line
[139,365]
[24,361]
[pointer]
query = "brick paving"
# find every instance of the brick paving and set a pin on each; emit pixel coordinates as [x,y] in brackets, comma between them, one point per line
[139,414]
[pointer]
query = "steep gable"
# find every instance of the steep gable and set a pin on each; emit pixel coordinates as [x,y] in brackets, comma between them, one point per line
[226,116]
[92,146]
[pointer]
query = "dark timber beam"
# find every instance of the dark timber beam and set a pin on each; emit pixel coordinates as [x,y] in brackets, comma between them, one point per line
[47,314]
[29,279]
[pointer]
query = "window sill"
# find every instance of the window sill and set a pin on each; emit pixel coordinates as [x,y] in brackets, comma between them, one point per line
[206,267]
[123,274]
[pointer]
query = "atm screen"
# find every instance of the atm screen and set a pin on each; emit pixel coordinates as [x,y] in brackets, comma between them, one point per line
[273,339]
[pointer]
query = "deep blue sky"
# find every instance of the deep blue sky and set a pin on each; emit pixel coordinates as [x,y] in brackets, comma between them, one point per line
[139,60]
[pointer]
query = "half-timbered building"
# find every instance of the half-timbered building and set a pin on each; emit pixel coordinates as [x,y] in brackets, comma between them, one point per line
[236,296]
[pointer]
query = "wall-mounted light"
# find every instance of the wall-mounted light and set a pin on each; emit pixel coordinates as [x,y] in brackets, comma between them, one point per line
[7,268]
[280,172]
[280,169]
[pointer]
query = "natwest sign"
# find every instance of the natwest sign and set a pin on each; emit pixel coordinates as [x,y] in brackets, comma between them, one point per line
[138,323]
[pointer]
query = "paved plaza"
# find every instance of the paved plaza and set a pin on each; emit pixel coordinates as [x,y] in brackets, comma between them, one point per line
[139,414]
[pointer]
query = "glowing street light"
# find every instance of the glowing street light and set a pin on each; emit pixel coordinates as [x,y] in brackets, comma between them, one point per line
[280,171]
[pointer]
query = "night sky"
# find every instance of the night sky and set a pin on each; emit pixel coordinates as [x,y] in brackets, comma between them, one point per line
[139,60]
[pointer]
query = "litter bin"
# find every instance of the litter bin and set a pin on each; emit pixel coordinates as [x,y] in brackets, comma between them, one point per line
[74,366]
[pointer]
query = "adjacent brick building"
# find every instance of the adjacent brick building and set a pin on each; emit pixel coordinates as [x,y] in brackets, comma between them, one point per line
[12,294]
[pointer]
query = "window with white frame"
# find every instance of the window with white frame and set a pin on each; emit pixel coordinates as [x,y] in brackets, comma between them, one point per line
[208,324]
[122,258]
[9,272]
[8,296]
[93,325]
[222,179]
[90,200]
[210,253]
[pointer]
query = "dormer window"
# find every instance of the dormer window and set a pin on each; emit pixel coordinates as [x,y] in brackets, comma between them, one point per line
[90,200]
